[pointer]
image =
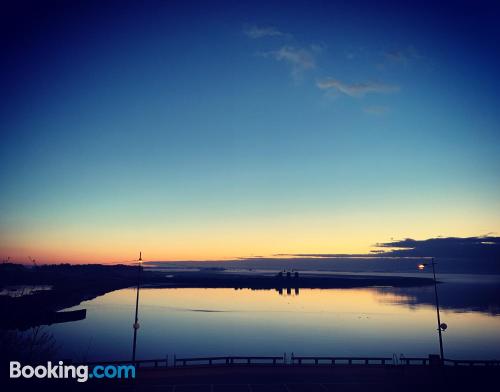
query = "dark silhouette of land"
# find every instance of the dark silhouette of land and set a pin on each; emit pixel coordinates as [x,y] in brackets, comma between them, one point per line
[71,284]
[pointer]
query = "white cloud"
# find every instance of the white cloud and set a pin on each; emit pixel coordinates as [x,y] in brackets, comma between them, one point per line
[260,32]
[358,89]
[300,59]
[297,57]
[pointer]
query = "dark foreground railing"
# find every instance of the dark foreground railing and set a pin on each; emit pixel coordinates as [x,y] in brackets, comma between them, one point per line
[414,361]
[143,363]
[449,362]
[229,361]
[465,362]
[297,361]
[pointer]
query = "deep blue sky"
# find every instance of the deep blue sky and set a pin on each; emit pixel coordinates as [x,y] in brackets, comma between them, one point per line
[212,130]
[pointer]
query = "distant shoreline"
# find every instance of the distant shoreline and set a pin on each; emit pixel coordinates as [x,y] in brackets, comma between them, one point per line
[203,279]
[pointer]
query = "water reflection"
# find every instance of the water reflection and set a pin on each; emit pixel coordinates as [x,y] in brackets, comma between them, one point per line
[296,291]
[369,321]
[459,296]
[457,292]
[390,297]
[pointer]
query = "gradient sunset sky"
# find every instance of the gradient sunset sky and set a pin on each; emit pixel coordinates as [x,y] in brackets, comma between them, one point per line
[216,130]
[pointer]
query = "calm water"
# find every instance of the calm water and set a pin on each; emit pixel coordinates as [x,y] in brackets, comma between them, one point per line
[197,322]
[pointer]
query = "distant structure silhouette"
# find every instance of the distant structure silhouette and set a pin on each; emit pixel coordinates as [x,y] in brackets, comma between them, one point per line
[284,280]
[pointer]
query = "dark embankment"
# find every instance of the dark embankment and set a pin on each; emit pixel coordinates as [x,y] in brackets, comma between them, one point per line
[71,284]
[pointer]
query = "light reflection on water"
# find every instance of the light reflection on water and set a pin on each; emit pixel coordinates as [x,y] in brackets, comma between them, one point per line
[342,322]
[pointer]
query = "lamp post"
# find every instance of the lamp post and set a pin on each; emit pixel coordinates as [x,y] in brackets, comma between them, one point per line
[441,326]
[136,322]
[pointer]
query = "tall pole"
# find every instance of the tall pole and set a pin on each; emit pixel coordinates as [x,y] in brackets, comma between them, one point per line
[437,311]
[136,322]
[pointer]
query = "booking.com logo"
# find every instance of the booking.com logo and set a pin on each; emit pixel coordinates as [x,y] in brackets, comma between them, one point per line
[81,372]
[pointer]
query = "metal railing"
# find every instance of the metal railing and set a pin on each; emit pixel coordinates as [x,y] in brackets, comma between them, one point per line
[294,361]
[414,361]
[143,363]
[230,360]
[450,362]
[466,362]
[301,360]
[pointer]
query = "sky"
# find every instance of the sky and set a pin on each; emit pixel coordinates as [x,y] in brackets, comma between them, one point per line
[216,130]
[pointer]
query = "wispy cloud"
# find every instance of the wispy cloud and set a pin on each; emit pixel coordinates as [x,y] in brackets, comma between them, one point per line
[358,89]
[300,59]
[297,57]
[260,32]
